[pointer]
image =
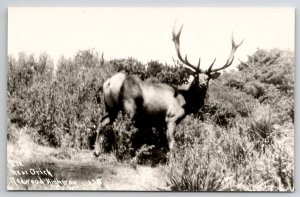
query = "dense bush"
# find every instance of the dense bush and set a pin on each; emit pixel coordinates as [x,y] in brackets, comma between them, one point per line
[241,139]
[249,156]
[60,104]
[66,102]
[239,146]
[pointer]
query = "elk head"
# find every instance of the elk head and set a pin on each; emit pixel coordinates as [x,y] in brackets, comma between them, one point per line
[200,77]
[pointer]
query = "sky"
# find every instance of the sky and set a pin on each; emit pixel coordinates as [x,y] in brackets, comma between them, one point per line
[146,33]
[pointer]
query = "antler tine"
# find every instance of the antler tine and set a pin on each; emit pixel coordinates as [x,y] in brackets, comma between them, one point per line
[211,65]
[234,44]
[186,62]
[176,35]
[229,60]
[176,40]
[199,62]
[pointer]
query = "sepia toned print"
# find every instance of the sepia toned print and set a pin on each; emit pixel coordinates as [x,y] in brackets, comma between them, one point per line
[150,99]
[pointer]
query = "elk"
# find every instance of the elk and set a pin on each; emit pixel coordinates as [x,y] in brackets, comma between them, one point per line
[158,103]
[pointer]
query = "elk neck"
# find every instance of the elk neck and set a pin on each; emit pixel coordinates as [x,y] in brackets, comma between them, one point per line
[194,94]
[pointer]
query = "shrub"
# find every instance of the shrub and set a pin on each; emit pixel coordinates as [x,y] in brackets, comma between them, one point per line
[240,140]
[261,130]
[196,164]
[212,158]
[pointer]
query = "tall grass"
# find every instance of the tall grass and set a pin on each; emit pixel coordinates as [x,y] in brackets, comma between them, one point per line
[211,158]
[242,139]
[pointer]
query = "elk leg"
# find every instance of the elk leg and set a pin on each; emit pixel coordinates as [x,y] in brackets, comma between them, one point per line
[172,119]
[170,134]
[105,120]
[130,108]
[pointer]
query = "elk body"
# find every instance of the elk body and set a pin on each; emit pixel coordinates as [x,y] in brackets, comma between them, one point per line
[157,104]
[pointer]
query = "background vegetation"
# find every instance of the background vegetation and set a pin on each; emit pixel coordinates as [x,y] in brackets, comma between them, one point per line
[242,139]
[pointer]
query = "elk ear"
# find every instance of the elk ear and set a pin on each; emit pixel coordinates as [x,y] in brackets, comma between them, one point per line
[215,75]
[189,71]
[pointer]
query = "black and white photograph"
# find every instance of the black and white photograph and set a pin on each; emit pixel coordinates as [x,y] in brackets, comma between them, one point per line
[150,99]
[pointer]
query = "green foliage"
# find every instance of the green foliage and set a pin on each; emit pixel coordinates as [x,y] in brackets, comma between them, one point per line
[239,146]
[146,147]
[270,79]
[124,132]
[240,140]
[246,157]
[57,104]
[67,103]
[193,163]
[175,75]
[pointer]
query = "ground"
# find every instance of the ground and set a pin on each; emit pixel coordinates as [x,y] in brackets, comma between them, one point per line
[66,169]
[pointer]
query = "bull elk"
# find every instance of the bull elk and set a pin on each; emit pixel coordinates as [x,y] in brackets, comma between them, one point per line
[158,103]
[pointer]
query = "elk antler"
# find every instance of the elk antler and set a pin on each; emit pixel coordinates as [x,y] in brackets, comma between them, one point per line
[229,60]
[176,41]
[176,37]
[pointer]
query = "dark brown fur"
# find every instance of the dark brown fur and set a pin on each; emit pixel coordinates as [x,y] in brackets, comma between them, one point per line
[150,105]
